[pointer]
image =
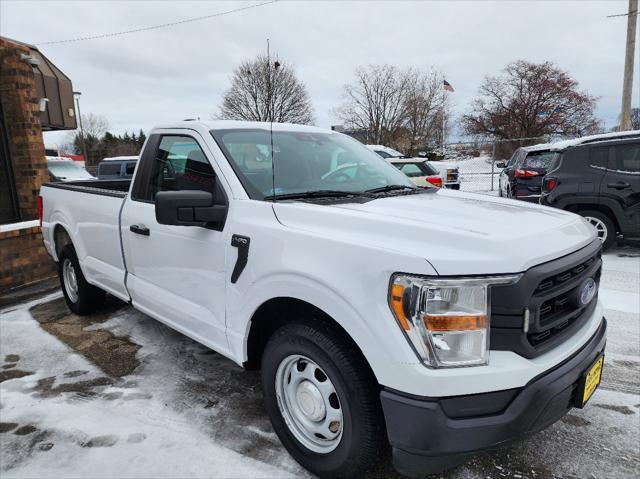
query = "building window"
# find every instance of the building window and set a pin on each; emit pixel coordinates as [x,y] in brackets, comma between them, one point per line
[8,198]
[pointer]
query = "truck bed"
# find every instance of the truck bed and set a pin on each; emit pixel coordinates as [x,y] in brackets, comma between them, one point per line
[89,211]
[117,188]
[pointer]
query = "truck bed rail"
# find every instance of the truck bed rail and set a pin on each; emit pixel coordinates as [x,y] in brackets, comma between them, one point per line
[117,188]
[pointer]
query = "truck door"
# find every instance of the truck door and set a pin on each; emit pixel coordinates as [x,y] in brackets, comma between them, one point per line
[622,185]
[176,273]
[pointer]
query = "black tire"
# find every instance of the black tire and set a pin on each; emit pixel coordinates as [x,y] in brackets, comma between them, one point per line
[363,441]
[89,298]
[602,220]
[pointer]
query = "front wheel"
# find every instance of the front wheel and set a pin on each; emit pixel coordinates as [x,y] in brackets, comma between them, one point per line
[604,226]
[322,401]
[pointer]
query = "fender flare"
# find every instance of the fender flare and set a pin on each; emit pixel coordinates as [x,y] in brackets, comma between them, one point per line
[596,202]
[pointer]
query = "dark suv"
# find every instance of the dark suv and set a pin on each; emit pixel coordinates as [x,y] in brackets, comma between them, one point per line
[521,177]
[598,177]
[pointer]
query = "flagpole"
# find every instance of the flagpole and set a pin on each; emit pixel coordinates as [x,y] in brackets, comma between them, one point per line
[443,117]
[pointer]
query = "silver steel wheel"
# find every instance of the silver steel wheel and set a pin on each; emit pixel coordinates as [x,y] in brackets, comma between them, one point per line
[600,227]
[70,280]
[309,404]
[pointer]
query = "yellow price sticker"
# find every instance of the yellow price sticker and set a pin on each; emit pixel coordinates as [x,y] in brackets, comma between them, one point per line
[592,380]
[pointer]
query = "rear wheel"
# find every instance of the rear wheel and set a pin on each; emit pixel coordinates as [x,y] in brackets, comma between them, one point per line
[322,401]
[82,298]
[604,226]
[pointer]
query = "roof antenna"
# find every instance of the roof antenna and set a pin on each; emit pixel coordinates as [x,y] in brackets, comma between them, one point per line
[270,117]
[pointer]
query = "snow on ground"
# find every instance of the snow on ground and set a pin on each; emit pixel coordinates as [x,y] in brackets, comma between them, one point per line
[144,425]
[181,410]
[475,174]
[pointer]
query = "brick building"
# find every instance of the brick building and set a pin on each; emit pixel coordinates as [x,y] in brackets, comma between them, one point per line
[35,96]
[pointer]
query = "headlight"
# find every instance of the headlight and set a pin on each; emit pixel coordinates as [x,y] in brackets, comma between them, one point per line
[445,320]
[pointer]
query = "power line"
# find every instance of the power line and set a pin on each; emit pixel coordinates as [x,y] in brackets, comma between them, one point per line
[623,14]
[155,27]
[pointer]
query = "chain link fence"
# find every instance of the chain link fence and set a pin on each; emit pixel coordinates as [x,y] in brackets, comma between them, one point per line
[476,161]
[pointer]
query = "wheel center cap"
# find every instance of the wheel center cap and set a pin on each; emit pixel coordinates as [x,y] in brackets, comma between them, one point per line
[310,401]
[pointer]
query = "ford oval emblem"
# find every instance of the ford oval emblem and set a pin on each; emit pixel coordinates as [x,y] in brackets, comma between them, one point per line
[588,291]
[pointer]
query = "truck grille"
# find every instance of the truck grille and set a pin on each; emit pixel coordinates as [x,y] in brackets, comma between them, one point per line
[551,293]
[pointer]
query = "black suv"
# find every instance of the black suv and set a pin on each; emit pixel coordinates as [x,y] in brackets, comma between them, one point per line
[521,177]
[598,177]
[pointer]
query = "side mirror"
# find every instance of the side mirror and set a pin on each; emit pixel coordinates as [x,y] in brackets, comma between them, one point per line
[501,164]
[189,208]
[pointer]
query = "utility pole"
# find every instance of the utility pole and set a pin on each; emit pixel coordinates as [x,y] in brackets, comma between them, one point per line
[627,84]
[76,95]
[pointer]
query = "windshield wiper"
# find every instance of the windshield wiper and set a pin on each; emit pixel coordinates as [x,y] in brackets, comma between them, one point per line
[312,194]
[384,189]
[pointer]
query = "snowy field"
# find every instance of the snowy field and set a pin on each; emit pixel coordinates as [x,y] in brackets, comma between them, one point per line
[120,395]
[475,174]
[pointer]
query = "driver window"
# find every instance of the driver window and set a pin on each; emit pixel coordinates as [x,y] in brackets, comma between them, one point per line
[180,164]
[514,158]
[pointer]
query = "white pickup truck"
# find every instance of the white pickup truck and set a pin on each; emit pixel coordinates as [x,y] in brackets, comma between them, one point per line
[435,322]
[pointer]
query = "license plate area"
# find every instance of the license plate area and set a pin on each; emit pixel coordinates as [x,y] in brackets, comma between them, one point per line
[589,381]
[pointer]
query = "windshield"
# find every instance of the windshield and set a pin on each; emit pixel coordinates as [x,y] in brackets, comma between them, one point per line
[389,153]
[304,162]
[413,170]
[542,159]
[67,169]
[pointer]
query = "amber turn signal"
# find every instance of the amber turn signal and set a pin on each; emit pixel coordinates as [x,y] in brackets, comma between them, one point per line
[397,291]
[454,323]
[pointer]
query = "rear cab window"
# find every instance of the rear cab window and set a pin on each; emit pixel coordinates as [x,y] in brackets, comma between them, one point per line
[540,159]
[599,157]
[627,158]
[106,168]
[413,170]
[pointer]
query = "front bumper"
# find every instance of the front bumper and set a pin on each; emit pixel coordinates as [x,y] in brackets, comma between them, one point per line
[429,435]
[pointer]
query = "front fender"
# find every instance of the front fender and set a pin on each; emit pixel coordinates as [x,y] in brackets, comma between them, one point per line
[379,338]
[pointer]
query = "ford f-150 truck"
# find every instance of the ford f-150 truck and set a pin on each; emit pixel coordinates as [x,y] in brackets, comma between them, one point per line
[382,315]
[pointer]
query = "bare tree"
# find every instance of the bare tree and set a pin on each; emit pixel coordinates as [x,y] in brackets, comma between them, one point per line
[264,90]
[423,108]
[531,100]
[93,128]
[94,125]
[635,119]
[375,102]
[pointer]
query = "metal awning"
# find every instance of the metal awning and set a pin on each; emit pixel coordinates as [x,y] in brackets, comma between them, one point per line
[54,87]
[54,91]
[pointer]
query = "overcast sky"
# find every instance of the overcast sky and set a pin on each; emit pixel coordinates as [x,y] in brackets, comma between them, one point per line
[141,79]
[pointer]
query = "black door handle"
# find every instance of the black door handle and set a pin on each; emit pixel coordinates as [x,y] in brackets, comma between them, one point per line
[620,185]
[242,243]
[139,230]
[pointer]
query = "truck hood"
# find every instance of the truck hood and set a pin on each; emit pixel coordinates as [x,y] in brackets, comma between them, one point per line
[457,233]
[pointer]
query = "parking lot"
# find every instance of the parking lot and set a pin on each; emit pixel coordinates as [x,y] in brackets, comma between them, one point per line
[118,394]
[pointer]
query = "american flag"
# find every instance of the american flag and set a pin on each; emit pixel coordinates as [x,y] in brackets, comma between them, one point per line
[448,87]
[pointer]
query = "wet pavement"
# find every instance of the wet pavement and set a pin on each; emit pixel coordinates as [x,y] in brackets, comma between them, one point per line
[118,394]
